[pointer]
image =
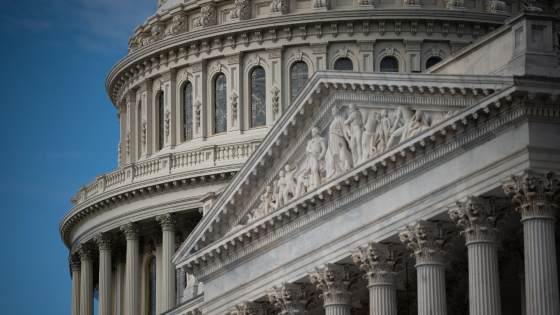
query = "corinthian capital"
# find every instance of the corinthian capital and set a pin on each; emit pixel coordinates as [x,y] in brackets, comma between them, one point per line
[74,262]
[538,197]
[167,221]
[86,251]
[289,298]
[428,241]
[104,240]
[250,308]
[131,230]
[335,283]
[381,263]
[480,218]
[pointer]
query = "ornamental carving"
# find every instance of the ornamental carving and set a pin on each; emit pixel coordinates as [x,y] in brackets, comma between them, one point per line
[180,26]
[275,99]
[167,221]
[275,52]
[167,117]
[480,219]
[335,283]
[538,197]
[199,66]
[321,4]
[242,10]
[528,5]
[250,308]
[235,59]
[381,265]
[353,139]
[158,33]
[144,130]
[233,99]
[289,298]
[104,240]
[119,153]
[197,106]
[160,3]
[280,7]
[493,6]
[127,142]
[131,230]
[428,241]
[319,48]
[208,17]
[74,262]
[86,251]
[454,4]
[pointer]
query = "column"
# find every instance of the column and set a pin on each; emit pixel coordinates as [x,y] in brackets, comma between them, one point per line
[480,220]
[167,222]
[538,200]
[333,281]
[75,267]
[86,251]
[158,235]
[381,263]
[104,241]
[289,298]
[131,231]
[429,242]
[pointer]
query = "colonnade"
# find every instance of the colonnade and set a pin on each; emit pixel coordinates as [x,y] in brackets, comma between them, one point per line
[81,264]
[479,221]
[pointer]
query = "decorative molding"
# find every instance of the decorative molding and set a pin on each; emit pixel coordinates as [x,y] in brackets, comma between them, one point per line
[208,18]
[380,263]
[428,241]
[86,251]
[199,65]
[131,230]
[366,45]
[280,7]
[335,283]
[167,221]
[235,59]
[275,52]
[104,240]
[289,298]
[538,196]
[319,48]
[241,12]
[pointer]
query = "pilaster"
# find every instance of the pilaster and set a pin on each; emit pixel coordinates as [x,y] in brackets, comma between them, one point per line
[122,114]
[366,55]
[129,146]
[202,121]
[320,52]
[413,50]
[235,93]
[277,85]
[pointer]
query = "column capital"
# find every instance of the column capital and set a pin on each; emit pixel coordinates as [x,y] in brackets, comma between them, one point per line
[289,298]
[167,221]
[86,251]
[250,308]
[131,230]
[480,218]
[429,241]
[538,196]
[381,263]
[335,282]
[74,262]
[104,240]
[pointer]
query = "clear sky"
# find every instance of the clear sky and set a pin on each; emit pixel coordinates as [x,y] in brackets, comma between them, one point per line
[58,129]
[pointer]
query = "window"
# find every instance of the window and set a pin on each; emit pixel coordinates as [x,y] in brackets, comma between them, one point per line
[220,105]
[152,287]
[188,111]
[389,64]
[432,61]
[343,64]
[139,128]
[258,97]
[161,133]
[299,78]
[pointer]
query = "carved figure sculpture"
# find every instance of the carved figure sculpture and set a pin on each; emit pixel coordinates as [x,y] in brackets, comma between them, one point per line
[402,115]
[354,128]
[443,116]
[370,127]
[289,184]
[338,159]
[268,204]
[415,125]
[314,171]
[281,188]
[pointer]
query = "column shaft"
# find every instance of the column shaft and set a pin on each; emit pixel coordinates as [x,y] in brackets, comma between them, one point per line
[382,300]
[431,290]
[484,283]
[541,278]
[76,292]
[168,270]
[337,309]
[86,288]
[105,282]
[132,298]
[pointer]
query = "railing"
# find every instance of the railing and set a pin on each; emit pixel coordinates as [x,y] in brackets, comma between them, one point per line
[174,162]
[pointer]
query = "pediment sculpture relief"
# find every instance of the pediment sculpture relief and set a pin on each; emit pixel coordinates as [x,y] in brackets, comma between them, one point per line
[351,140]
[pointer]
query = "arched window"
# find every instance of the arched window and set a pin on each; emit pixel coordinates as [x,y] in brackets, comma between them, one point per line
[432,61]
[161,133]
[220,104]
[188,111]
[258,97]
[152,286]
[343,64]
[389,64]
[300,74]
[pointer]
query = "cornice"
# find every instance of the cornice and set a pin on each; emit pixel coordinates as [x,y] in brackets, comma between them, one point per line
[471,127]
[180,44]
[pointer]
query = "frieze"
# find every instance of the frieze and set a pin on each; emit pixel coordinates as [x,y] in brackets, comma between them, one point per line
[412,44]
[319,48]
[366,45]
[275,52]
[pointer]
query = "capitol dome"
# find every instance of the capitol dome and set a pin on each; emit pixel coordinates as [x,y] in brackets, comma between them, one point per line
[213,96]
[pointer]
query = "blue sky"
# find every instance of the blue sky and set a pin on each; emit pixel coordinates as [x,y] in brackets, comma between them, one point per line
[59,130]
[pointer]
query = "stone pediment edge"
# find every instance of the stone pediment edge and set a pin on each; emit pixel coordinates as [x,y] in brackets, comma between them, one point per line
[277,230]
[321,78]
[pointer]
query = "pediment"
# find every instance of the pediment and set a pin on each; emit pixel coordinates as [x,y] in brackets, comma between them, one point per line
[338,131]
